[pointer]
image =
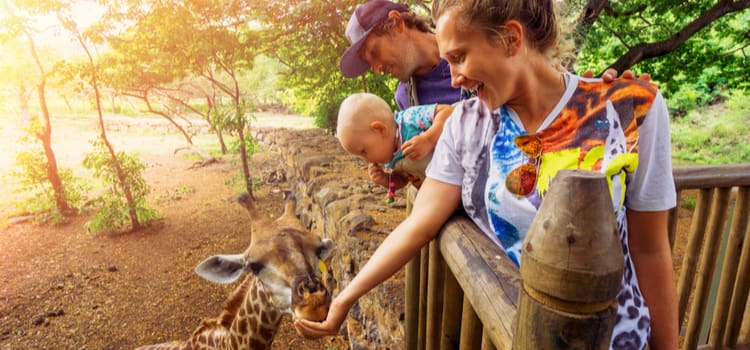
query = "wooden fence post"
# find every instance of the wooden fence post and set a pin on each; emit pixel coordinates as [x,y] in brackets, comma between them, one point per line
[571,267]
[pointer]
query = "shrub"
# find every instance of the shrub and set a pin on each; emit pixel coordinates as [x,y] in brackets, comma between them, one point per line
[39,197]
[111,207]
[33,183]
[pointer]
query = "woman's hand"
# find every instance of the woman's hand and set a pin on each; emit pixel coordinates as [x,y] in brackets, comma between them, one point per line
[330,326]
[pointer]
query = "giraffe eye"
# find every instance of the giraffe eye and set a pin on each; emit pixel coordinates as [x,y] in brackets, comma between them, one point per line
[255,267]
[324,249]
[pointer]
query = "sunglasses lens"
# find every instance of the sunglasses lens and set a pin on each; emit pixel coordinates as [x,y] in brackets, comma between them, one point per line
[521,180]
[530,145]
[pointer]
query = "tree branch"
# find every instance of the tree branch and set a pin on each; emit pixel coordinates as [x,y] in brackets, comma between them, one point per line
[643,51]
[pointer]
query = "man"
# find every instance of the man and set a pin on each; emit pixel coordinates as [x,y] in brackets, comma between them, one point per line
[393,40]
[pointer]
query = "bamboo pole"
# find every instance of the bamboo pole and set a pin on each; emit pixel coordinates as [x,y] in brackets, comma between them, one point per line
[571,267]
[411,289]
[692,252]
[742,285]
[716,219]
[452,298]
[728,274]
[487,342]
[471,327]
[411,312]
[434,297]
[674,216]
[423,278]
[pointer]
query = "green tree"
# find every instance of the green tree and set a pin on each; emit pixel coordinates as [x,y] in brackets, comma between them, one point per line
[21,26]
[124,174]
[308,38]
[701,43]
[209,40]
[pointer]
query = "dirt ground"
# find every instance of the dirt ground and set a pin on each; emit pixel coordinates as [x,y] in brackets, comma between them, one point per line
[63,288]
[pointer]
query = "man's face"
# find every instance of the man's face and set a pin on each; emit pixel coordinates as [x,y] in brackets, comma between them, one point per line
[389,54]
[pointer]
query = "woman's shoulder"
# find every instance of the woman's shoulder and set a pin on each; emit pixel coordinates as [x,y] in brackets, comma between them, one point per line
[469,120]
[619,88]
[471,108]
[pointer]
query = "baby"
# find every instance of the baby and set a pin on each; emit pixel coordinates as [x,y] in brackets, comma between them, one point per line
[399,146]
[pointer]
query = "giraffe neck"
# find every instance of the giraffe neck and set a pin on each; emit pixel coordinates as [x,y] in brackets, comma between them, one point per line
[249,322]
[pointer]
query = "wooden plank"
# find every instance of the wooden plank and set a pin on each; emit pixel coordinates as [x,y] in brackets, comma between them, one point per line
[716,219]
[487,342]
[471,327]
[434,297]
[490,280]
[710,176]
[728,273]
[742,285]
[423,277]
[674,216]
[453,298]
[692,252]
[411,303]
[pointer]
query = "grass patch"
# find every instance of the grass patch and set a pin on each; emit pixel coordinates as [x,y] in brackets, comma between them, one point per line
[718,134]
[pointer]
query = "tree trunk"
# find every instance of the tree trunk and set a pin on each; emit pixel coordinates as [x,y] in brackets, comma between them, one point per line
[132,206]
[45,135]
[245,163]
[52,173]
[219,136]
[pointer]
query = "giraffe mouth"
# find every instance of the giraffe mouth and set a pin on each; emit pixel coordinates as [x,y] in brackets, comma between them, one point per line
[311,300]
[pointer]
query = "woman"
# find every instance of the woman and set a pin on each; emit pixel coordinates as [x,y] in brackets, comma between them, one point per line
[499,151]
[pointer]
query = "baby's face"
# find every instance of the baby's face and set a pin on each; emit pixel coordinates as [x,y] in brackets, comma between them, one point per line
[370,145]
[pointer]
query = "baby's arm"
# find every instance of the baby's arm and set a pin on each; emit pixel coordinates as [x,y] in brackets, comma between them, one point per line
[422,144]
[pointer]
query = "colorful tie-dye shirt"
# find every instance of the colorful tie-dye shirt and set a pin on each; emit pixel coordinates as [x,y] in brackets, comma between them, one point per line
[619,129]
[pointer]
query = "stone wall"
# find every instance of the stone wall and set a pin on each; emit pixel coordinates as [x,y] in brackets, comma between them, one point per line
[337,200]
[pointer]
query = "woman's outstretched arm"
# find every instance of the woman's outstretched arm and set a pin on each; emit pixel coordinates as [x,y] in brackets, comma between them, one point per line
[435,203]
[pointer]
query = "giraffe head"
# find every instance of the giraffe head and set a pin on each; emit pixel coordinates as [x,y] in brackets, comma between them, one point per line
[286,258]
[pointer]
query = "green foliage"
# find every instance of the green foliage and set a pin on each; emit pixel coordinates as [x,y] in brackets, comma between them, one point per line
[38,196]
[712,61]
[714,134]
[688,202]
[312,72]
[111,206]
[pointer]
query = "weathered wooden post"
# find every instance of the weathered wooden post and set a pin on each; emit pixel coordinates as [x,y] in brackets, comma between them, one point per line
[571,267]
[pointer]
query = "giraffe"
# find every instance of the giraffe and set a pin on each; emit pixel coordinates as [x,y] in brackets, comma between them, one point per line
[285,263]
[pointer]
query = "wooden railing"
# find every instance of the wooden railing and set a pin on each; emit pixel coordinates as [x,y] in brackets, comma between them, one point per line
[462,291]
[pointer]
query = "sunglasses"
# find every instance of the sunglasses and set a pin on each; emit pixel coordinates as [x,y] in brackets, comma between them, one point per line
[522,180]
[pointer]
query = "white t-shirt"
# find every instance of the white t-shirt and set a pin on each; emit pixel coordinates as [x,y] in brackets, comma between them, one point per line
[619,129]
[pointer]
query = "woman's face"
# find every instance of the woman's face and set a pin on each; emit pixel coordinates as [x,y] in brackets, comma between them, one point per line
[477,63]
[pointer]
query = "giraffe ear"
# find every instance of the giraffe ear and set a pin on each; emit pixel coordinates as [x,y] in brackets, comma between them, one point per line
[221,268]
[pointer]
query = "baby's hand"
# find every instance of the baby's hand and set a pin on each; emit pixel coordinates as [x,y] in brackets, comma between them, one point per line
[418,147]
[377,175]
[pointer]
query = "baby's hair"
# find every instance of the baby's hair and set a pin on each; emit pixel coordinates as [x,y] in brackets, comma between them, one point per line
[358,110]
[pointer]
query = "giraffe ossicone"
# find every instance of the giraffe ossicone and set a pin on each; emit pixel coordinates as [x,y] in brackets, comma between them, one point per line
[284,277]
